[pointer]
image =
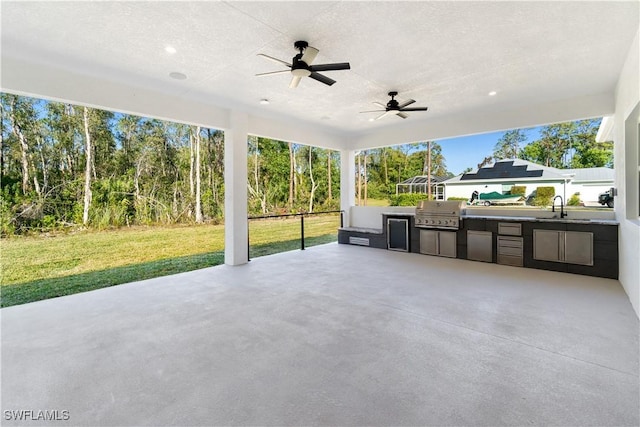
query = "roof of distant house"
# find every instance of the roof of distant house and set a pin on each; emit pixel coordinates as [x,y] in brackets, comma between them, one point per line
[591,174]
[523,170]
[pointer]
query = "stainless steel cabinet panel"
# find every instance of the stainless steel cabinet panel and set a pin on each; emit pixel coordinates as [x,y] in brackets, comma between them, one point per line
[447,243]
[435,242]
[546,245]
[480,245]
[429,242]
[572,247]
[579,247]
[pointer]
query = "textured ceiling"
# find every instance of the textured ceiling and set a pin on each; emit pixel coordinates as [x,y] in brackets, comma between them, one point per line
[445,55]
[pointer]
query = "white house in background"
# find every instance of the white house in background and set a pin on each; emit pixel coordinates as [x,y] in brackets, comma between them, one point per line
[503,174]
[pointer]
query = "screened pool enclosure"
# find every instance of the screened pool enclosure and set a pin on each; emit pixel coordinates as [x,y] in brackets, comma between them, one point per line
[419,184]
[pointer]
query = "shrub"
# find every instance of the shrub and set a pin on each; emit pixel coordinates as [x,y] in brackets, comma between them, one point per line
[574,200]
[407,199]
[457,198]
[518,190]
[544,196]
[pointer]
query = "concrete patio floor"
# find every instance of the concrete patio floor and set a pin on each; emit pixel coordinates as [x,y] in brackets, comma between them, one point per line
[334,335]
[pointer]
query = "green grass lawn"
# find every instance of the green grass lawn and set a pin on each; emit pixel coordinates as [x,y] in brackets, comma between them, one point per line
[376,202]
[46,266]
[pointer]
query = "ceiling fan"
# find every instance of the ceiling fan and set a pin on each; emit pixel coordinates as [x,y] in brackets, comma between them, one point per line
[301,65]
[393,107]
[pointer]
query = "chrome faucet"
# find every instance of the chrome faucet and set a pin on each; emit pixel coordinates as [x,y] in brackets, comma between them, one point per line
[553,206]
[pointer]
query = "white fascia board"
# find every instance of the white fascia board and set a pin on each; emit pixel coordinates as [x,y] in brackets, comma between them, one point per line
[605,131]
[477,122]
[292,131]
[44,81]
[22,77]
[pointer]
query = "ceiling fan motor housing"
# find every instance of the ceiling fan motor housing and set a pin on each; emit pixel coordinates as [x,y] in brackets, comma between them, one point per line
[300,68]
[301,65]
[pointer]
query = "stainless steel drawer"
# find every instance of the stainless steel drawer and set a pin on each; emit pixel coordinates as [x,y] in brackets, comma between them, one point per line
[510,229]
[513,242]
[515,261]
[510,251]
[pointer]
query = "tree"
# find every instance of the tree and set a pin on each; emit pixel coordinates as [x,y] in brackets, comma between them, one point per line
[292,176]
[486,161]
[359,178]
[198,181]
[314,186]
[329,178]
[570,145]
[255,188]
[508,146]
[88,150]
[22,117]
[587,152]
[88,166]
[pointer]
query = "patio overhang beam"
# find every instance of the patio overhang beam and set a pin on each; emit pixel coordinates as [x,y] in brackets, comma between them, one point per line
[478,122]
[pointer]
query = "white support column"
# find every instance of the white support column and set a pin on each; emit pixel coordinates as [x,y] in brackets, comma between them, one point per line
[236,231]
[347,183]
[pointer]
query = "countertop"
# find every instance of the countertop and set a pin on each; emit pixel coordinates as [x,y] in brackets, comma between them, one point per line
[535,219]
[362,230]
[399,213]
[567,220]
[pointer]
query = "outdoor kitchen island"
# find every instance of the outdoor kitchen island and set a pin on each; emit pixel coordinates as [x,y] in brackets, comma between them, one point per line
[579,246]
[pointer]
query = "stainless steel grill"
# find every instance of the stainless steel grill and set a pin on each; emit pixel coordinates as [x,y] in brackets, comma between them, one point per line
[439,214]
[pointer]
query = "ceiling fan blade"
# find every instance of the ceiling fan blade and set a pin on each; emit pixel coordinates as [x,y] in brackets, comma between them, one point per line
[271,58]
[323,79]
[309,55]
[295,81]
[331,67]
[403,115]
[380,105]
[405,104]
[373,111]
[273,73]
[383,114]
[415,109]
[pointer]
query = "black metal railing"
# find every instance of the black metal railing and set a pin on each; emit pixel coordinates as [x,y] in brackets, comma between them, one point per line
[301,215]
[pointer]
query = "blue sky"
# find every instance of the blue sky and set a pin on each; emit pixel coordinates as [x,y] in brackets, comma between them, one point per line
[463,152]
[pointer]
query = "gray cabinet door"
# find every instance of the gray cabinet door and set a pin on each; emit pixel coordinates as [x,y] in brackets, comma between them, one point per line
[429,242]
[547,245]
[447,244]
[398,234]
[579,247]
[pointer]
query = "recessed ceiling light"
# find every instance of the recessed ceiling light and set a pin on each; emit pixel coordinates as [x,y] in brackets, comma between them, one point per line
[178,76]
[170,49]
[372,119]
[264,101]
[493,93]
